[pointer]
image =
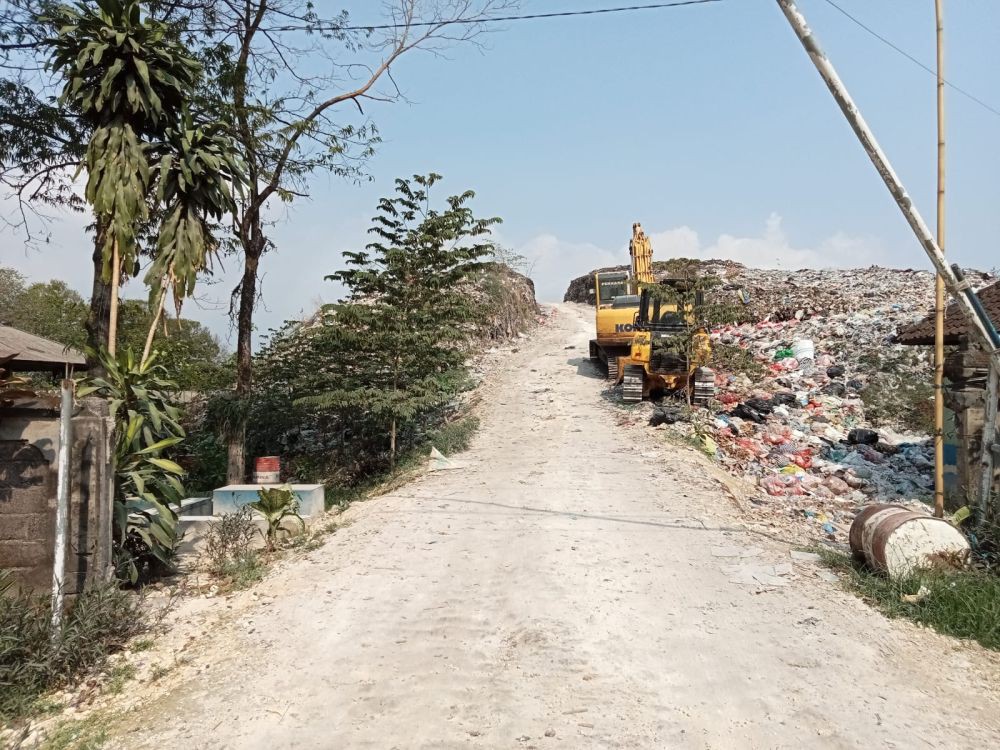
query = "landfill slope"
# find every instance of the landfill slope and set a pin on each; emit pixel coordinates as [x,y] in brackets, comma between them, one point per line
[817,406]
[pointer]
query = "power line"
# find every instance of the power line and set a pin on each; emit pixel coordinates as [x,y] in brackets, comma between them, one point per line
[914,60]
[501,19]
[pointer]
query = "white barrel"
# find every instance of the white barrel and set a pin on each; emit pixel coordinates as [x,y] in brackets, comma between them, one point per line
[267,477]
[897,541]
[803,349]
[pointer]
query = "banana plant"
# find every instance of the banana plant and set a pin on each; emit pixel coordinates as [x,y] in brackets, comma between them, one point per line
[148,487]
[276,504]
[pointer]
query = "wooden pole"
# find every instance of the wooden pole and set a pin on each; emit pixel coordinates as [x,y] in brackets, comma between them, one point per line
[116,278]
[939,292]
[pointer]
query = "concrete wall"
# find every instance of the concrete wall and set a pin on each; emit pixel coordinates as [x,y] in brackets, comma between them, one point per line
[29,444]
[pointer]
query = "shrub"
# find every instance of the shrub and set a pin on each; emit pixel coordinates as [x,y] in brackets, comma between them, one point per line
[276,504]
[454,437]
[99,623]
[229,539]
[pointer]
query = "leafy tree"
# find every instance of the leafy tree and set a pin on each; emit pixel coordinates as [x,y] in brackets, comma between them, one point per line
[187,350]
[131,81]
[396,339]
[280,75]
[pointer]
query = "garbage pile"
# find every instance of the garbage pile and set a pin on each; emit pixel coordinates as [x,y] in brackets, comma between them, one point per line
[793,412]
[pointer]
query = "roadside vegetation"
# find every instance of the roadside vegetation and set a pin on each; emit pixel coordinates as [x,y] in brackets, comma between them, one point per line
[959,603]
[33,662]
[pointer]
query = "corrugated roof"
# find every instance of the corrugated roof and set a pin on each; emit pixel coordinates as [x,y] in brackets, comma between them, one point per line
[34,353]
[955,324]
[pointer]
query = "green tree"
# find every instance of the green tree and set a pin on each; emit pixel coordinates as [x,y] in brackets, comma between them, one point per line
[187,350]
[286,80]
[394,351]
[131,81]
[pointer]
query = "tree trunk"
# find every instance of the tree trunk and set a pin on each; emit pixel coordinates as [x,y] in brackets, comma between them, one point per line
[392,445]
[236,449]
[100,306]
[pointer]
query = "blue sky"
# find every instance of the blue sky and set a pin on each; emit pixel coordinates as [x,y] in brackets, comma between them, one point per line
[708,124]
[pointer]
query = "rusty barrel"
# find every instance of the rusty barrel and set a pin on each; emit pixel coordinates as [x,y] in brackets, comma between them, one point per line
[267,470]
[896,541]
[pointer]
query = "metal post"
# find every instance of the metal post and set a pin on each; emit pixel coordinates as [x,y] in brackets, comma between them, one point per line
[981,325]
[939,298]
[62,503]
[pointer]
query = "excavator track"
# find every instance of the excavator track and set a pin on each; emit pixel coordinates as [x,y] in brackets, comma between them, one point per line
[612,369]
[632,384]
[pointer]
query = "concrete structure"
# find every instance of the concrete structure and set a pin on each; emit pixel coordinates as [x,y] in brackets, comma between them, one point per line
[29,443]
[233,497]
[965,395]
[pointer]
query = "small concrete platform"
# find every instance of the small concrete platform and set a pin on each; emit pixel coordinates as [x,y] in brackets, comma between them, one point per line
[231,498]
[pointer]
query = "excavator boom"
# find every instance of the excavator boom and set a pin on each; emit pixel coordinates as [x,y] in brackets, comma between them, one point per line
[641,250]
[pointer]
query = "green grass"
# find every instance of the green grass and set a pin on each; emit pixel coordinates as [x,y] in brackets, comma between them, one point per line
[143,644]
[450,439]
[243,571]
[964,604]
[87,734]
[119,676]
[454,437]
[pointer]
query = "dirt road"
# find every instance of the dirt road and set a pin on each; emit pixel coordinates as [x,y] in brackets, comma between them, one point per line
[574,585]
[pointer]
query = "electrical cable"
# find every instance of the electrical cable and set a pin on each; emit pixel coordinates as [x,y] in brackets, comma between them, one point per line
[914,60]
[500,19]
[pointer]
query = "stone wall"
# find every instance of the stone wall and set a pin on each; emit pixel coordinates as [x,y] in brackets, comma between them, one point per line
[29,446]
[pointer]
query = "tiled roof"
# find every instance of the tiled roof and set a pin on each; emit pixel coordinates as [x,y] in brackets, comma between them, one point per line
[955,324]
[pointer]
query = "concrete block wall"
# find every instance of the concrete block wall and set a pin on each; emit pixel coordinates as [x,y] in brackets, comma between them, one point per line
[29,445]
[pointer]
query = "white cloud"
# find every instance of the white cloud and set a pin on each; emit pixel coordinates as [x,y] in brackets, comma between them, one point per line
[554,262]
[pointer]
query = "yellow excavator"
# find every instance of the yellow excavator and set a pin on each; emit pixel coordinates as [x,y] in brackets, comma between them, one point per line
[669,351]
[616,301]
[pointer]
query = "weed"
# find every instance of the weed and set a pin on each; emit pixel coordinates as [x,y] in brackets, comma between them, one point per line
[454,437]
[100,622]
[143,644]
[87,734]
[243,571]
[119,675]
[964,604]
[159,672]
[229,538]
[276,504]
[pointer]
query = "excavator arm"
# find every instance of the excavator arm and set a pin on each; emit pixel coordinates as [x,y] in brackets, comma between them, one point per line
[641,250]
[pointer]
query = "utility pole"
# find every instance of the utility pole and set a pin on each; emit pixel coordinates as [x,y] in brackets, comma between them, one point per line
[939,297]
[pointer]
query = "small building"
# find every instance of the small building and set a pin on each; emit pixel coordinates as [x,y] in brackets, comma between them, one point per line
[966,369]
[29,446]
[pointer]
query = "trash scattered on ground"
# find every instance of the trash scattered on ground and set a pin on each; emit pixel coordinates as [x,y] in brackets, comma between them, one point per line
[759,575]
[816,405]
[922,593]
[440,462]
